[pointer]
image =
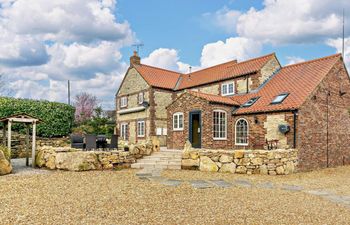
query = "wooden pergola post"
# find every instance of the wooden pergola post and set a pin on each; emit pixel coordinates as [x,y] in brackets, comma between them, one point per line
[9,126]
[27,144]
[33,144]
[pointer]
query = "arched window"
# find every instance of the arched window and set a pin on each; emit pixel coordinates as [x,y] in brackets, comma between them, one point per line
[242,131]
[219,125]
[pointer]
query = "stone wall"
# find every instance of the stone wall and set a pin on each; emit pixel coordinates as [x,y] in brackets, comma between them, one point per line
[18,148]
[324,123]
[275,162]
[76,160]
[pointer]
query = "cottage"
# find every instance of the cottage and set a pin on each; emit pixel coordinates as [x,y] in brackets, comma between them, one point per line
[255,104]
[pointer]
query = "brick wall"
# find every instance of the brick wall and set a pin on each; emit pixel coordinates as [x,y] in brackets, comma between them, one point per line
[261,127]
[317,146]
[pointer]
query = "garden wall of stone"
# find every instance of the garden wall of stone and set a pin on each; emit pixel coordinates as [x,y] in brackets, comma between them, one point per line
[274,162]
[65,158]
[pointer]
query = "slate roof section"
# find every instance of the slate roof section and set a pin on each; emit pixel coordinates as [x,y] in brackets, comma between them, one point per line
[299,80]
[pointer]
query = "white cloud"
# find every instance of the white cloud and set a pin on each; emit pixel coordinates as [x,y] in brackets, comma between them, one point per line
[297,21]
[57,20]
[233,48]
[45,43]
[294,59]
[168,59]
[338,45]
[212,54]
[224,18]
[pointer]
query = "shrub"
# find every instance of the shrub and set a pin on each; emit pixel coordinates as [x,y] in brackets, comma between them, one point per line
[57,118]
[6,152]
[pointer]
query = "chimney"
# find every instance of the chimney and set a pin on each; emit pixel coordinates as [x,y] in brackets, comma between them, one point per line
[135,59]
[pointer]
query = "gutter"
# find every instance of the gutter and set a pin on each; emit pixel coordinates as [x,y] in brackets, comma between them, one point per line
[295,115]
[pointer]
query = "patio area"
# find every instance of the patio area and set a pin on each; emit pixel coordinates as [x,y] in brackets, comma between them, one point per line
[121,197]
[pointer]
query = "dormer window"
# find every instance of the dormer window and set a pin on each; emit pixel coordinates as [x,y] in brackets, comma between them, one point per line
[228,89]
[280,98]
[250,102]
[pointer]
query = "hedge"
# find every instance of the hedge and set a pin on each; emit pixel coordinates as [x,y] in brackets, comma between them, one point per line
[57,118]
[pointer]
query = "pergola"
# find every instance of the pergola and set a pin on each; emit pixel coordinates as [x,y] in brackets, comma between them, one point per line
[27,120]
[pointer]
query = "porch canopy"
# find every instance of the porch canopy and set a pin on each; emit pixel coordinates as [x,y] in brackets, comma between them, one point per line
[27,120]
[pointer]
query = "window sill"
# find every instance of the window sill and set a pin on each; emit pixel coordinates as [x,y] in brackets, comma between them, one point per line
[220,139]
[241,144]
[178,129]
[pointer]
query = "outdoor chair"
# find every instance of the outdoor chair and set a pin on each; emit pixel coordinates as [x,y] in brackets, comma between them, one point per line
[114,142]
[90,141]
[77,141]
[101,141]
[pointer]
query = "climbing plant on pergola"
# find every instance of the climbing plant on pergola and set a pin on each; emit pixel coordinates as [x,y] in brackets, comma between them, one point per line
[27,120]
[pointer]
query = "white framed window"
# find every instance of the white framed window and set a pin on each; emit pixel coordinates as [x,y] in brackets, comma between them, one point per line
[140,98]
[140,128]
[219,125]
[124,131]
[241,132]
[178,121]
[228,89]
[279,98]
[123,102]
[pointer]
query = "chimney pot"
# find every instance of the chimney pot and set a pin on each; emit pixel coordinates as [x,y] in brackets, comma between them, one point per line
[135,59]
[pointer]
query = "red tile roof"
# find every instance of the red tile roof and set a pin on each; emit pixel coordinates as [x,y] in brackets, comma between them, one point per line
[214,98]
[299,80]
[167,79]
[223,71]
[158,77]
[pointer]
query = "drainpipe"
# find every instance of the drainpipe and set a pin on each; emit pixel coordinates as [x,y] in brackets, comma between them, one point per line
[247,78]
[327,119]
[295,114]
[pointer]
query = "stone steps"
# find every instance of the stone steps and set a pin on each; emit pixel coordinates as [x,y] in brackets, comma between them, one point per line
[164,159]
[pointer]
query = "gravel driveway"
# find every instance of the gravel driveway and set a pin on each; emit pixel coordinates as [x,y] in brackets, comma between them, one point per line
[120,197]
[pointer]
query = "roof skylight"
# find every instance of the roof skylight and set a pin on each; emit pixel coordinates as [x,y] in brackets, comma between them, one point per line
[250,102]
[280,98]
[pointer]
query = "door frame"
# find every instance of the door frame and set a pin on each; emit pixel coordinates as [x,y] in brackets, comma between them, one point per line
[190,131]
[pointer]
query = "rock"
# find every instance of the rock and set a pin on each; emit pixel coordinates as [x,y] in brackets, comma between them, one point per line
[155,144]
[188,146]
[77,161]
[207,165]
[226,158]
[219,164]
[51,162]
[190,162]
[228,168]
[194,155]
[241,170]
[5,165]
[39,159]
[257,161]
[272,172]
[289,168]
[280,170]
[238,154]
[263,170]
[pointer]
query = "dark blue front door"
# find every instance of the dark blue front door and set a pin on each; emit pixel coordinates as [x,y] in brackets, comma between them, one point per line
[195,129]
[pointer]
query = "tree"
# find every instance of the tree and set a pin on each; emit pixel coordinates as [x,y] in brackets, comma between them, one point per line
[85,104]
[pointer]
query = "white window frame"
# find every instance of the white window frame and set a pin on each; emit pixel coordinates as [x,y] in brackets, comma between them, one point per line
[176,117]
[219,124]
[140,98]
[124,102]
[141,129]
[242,144]
[124,131]
[227,87]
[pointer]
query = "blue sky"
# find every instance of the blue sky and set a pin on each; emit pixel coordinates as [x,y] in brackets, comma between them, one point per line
[45,43]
